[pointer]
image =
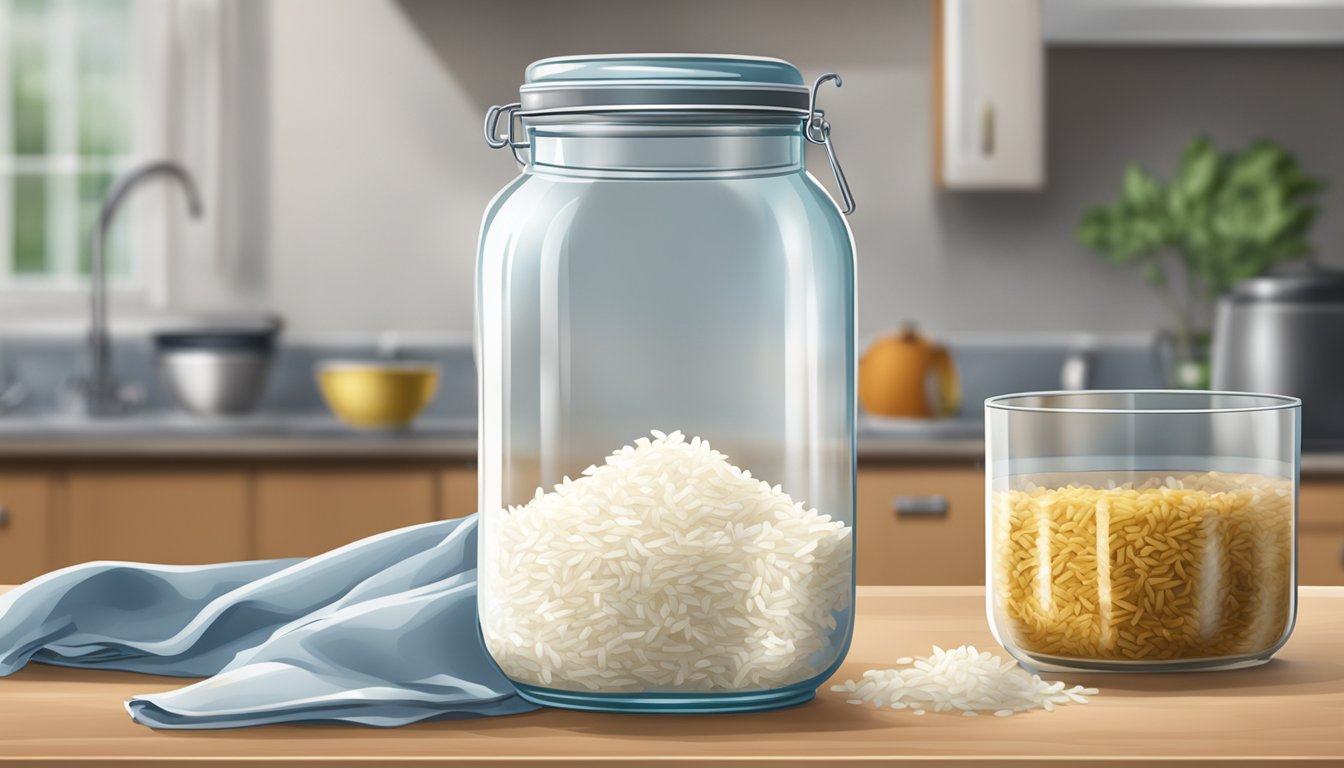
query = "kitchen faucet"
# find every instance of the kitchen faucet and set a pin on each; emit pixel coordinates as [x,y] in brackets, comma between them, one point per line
[100,393]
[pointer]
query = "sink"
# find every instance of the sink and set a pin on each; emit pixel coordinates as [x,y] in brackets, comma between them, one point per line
[291,405]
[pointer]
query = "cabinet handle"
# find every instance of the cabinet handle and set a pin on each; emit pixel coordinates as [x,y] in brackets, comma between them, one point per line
[4,516]
[920,506]
[987,130]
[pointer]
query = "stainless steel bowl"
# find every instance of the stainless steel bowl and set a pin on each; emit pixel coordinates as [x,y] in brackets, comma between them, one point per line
[217,366]
[215,382]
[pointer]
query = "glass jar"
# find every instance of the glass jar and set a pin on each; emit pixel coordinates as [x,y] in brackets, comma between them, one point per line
[1141,531]
[663,277]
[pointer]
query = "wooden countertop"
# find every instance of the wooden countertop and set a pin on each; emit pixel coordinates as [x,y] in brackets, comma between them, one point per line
[1289,711]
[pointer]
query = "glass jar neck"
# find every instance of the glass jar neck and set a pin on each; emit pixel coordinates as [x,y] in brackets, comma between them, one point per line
[665,150]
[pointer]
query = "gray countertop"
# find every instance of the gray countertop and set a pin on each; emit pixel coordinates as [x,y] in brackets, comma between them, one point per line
[1323,464]
[170,436]
[317,437]
[324,437]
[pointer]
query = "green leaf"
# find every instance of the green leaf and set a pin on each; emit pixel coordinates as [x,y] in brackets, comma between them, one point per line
[1140,189]
[1198,171]
[1230,215]
[1092,230]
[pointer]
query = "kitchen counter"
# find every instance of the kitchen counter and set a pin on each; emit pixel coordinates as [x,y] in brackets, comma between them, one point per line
[881,447]
[317,436]
[1289,711]
[320,436]
[885,447]
[262,435]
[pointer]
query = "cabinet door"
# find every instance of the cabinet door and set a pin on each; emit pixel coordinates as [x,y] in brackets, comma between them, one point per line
[989,86]
[158,516]
[457,491]
[304,512]
[25,526]
[921,525]
[1320,536]
[1320,557]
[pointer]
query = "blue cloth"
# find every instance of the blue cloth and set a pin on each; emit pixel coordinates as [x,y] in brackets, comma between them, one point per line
[380,632]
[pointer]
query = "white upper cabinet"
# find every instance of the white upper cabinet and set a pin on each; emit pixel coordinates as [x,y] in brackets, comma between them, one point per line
[989,86]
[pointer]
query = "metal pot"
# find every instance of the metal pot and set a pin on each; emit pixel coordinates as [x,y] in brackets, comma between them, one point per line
[1284,334]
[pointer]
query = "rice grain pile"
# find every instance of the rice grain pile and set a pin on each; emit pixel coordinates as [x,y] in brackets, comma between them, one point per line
[665,569]
[1171,569]
[963,679]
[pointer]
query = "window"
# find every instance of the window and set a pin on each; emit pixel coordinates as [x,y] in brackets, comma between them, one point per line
[77,107]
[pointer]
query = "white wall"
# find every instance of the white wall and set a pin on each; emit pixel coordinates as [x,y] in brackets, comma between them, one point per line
[378,175]
[375,194]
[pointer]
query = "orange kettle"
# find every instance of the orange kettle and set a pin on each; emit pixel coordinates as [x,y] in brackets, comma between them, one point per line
[894,377]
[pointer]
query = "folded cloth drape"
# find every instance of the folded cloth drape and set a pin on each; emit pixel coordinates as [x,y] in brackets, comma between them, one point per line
[379,632]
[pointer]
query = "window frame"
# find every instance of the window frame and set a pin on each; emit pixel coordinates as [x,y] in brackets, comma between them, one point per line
[149,234]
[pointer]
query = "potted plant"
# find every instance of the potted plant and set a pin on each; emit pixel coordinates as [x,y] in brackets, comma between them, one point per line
[1226,216]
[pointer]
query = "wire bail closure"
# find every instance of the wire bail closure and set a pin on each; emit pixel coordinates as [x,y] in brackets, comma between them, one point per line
[818,131]
[492,137]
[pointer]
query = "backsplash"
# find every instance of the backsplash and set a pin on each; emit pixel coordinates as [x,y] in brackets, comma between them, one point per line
[387,238]
[988,365]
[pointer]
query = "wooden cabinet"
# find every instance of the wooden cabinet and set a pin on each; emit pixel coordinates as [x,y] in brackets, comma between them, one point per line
[918,524]
[26,526]
[921,524]
[1320,556]
[308,511]
[184,515]
[925,525]
[457,491]
[1320,534]
[989,94]
[157,515]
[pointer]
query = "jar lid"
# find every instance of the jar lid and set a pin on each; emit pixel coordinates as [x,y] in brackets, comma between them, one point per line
[663,81]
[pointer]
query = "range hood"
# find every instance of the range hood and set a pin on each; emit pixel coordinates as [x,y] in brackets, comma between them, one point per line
[1193,22]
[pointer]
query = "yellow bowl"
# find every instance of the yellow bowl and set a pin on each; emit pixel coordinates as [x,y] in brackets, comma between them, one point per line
[377,395]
